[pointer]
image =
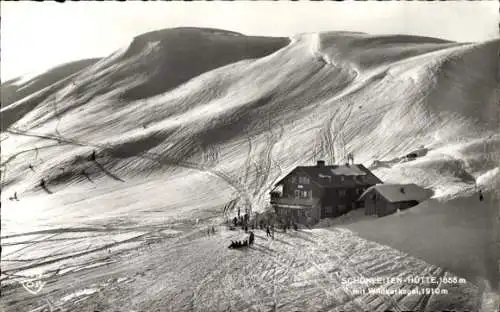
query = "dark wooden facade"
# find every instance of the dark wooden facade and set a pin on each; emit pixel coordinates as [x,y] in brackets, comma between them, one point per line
[311,193]
[339,200]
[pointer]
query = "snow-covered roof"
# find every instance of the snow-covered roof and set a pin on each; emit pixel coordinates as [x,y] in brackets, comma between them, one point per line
[399,192]
[348,170]
[338,175]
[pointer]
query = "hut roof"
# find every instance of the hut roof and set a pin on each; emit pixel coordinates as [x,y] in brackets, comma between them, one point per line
[394,193]
[353,175]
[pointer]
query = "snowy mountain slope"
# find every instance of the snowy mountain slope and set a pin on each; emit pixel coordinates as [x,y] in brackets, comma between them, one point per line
[19,88]
[183,53]
[155,109]
[176,149]
[202,274]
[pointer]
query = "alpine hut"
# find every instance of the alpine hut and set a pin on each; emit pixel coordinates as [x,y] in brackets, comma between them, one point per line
[385,199]
[310,193]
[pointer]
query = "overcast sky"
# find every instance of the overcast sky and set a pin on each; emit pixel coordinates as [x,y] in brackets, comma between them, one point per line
[38,35]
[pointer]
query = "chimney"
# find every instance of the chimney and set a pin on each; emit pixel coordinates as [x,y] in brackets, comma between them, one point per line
[320,163]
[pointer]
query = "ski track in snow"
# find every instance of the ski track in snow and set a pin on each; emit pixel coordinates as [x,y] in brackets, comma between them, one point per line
[151,156]
[225,286]
[244,280]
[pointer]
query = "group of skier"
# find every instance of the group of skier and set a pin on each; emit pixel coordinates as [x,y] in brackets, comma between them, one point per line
[243,222]
[245,243]
[43,183]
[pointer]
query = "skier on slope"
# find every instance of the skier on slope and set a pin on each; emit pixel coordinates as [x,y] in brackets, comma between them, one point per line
[93,156]
[14,197]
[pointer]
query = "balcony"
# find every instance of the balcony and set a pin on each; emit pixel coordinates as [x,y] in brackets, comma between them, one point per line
[292,202]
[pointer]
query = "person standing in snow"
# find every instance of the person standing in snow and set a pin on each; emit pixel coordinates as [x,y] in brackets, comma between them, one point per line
[268,231]
[213,230]
[350,158]
[13,197]
[481,197]
[251,238]
[308,222]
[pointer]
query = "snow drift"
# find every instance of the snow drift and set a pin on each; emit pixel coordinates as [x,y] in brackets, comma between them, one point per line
[185,120]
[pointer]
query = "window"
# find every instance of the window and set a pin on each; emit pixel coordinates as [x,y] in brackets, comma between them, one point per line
[293,179]
[341,193]
[302,194]
[304,180]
